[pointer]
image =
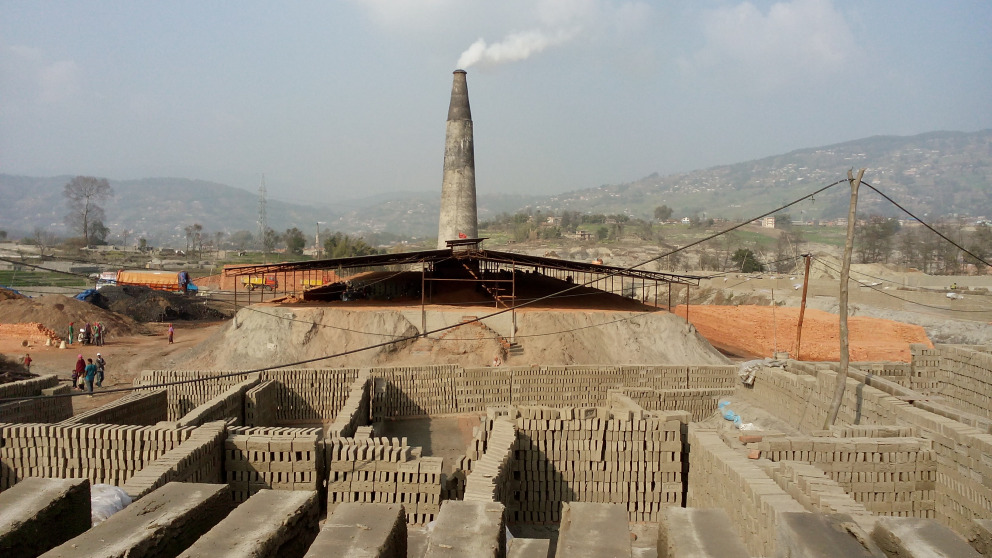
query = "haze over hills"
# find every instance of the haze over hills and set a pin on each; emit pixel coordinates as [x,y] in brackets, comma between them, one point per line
[933,174]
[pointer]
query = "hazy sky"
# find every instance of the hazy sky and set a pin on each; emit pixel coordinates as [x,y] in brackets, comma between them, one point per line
[341,99]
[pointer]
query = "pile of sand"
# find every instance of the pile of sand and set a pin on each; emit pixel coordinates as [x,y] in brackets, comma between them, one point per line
[56,311]
[267,335]
[760,330]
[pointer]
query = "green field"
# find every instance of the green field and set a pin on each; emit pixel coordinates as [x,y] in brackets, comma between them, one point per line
[40,279]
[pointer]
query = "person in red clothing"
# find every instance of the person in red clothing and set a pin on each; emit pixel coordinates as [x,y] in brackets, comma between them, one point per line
[27,361]
[171,331]
[79,372]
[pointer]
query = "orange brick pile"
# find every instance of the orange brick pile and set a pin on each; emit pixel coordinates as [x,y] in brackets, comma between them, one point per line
[32,332]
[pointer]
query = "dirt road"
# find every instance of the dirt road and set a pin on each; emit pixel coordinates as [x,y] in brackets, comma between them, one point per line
[126,356]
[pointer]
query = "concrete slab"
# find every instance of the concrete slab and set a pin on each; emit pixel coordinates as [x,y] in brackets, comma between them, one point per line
[161,524]
[30,508]
[272,523]
[469,530]
[528,548]
[362,531]
[980,536]
[816,535]
[698,533]
[593,530]
[908,537]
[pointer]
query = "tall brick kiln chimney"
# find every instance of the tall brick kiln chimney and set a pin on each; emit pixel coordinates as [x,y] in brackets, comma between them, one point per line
[459,218]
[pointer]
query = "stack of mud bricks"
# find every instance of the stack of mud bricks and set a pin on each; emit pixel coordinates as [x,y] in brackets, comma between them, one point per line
[414,391]
[383,471]
[307,395]
[143,408]
[488,480]
[106,454]
[721,477]
[690,377]
[591,454]
[889,476]
[272,458]
[479,388]
[229,405]
[699,403]
[260,404]
[48,409]
[185,397]
[965,379]
[897,372]
[199,459]
[925,368]
[561,386]
[810,486]
[356,411]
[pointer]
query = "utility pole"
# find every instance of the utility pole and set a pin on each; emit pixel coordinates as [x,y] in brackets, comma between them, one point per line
[317,240]
[263,223]
[802,306]
[845,272]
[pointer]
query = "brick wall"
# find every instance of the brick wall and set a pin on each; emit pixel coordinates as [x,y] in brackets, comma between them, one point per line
[964,379]
[101,453]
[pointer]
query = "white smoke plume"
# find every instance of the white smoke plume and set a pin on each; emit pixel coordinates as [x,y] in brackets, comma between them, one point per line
[517,46]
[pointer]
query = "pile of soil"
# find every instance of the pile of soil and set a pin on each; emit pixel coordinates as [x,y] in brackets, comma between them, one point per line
[56,311]
[7,294]
[759,330]
[149,305]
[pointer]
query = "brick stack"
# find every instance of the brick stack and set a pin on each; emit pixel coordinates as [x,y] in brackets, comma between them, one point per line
[488,481]
[587,454]
[897,372]
[310,395]
[106,454]
[49,409]
[723,478]
[185,397]
[965,379]
[32,332]
[272,458]
[699,403]
[384,471]
[356,411]
[228,405]
[560,386]
[925,367]
[199,459]
[889,476]
[812,488]
[143,407]
[479,388]
[260,404]
[415,391]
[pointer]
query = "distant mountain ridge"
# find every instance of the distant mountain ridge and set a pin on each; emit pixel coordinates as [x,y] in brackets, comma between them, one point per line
[937,173]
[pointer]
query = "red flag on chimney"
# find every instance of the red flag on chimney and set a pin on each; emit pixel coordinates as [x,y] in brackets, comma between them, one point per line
[462,235]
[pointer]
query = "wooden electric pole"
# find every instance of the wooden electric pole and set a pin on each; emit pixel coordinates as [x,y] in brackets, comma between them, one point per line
[802,306]
[845,272]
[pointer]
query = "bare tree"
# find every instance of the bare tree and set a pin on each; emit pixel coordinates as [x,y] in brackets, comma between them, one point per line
[83,196]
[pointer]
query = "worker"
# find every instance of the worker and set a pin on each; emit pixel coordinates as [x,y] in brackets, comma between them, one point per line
[100,366]
[27,361]
[72,332]
[78,372]
[90,375]
[171,332]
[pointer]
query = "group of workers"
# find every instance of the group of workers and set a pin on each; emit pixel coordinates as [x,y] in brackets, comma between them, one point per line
[88,334]
[88,372]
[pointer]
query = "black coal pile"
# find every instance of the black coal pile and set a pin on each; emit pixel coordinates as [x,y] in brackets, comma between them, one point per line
[148,305]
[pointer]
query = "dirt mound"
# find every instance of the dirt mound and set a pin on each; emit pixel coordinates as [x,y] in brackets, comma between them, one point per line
[149,305]
[7,294]
[56,311]
[759,330]
[268,334]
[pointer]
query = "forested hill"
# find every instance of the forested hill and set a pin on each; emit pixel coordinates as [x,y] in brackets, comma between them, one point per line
[938,173]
